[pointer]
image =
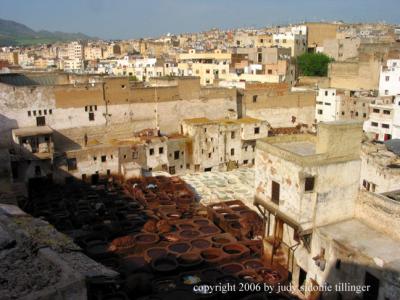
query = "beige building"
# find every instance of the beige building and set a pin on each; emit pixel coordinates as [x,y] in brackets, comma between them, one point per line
[318,225]
[341,49]
[222,144]
[317,33]
[380,168]
[207,65]
[277,105]
[334,105]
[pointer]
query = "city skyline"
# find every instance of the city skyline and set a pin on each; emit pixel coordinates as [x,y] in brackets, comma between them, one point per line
[132,19]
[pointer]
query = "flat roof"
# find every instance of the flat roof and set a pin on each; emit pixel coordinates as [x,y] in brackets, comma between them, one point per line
[32,131]
[363,239]
[198,121]
[303,148]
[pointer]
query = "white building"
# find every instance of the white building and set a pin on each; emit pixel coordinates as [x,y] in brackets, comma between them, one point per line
[384,119]
[75,50]
[297,42]
[389,81]
[71,65]
[334,105]
[327,105]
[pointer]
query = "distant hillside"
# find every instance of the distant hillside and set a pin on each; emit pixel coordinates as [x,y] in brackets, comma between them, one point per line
[14,34]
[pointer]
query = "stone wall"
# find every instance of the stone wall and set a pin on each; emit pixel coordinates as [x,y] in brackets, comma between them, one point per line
[379,212]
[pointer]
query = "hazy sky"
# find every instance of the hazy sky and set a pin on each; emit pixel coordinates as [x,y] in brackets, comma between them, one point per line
[133,19]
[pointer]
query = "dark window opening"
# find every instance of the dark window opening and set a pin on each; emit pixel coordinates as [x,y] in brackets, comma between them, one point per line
[373,283]
[40,121]
[302,279]
[161,150]
[176,155]
[151,151]
[38,171]
[338,263]
[103,158]
[275,190]
[91,116]
[309,184]
[172,170]
[72,164]
[256,130]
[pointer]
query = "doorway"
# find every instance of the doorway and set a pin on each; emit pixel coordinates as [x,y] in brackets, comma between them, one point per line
[373,283]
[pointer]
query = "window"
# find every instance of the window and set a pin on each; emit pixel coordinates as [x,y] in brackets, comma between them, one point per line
[34,112]
[45,111]
[205,129]
[320,111]
[386,112]
[326,93]
[342,113]
[84,177]
[71,163]
[103,158]
[256,130]
[172,170]
[255,98]
[385,126]
[135,155]
[29,113]
[364,115]
[38,171]
[40,112]
[176,155]
[232,135]
[275,192]
[309,184]
[327,103]
[50,111]
[338,263]
[151,151]
[376,110]
[209,155]
[161,150]
[375,124]
[245,162]
[91,116]
[95,107]
[232,151]
[269,71]
[94,158]
[387,78]
[386,92]
[40,121]
[208,71]
[356,113]
[86,108]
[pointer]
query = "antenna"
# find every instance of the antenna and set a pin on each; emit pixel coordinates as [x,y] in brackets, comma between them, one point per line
[156,110]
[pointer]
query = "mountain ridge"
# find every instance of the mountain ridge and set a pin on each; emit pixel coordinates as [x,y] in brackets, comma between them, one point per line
[13,33]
